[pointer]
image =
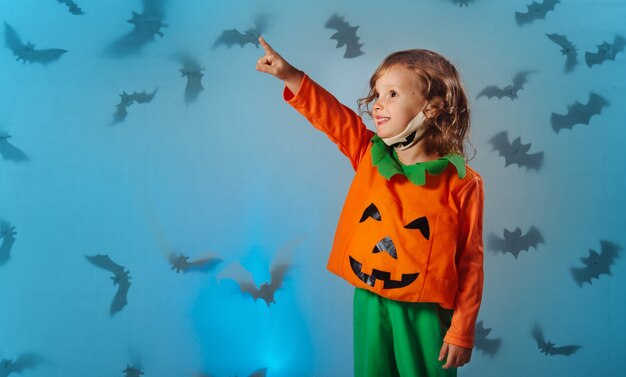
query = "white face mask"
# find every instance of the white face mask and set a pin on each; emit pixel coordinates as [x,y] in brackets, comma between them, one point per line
[411,134]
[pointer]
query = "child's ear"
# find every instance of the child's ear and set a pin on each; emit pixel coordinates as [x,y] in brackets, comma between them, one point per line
[434,106]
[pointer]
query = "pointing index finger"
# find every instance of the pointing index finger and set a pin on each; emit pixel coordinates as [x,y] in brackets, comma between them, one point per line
[268,49]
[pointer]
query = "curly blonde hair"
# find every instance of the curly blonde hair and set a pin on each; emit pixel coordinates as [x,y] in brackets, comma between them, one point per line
[447,109]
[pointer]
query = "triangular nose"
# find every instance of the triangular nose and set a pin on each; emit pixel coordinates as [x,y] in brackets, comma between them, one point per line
[386,245]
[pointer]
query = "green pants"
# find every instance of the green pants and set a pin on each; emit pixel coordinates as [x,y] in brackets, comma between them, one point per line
[394,338]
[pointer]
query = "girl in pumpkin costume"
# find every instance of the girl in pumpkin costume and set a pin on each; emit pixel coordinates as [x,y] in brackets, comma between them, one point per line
[409,237]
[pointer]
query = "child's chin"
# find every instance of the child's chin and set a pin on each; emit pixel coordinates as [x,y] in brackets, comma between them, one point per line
[382,134]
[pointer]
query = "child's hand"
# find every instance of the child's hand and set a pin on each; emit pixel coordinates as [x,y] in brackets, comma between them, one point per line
[457,356]
[275,65]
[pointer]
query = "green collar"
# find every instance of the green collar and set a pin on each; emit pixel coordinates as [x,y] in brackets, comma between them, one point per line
[388,164]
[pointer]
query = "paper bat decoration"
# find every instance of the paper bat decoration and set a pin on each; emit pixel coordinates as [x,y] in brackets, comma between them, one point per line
[128,99]
[146,25]
[7,233]
[72,7]
[120,277]
[266,290]
[606,51]
[568,49]
[27,53]
[481,342]
[548,348]
[345,36]
[235,37]
[193,72]
[508,91]
[10,152]
[181,262]
[578,113]
[462,3]
[514,242]
[132,371]
[516,152]
[23,363]
[259,373]
[245,280]
[134,368]
[535,11]
[177,261]
[596,264]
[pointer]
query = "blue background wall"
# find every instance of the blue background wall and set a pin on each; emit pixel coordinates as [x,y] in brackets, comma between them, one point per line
[238,175]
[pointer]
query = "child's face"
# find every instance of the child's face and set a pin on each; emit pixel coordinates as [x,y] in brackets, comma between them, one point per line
[398,101]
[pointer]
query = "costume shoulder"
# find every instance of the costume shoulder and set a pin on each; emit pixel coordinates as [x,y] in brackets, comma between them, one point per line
[471,173]
[470,182]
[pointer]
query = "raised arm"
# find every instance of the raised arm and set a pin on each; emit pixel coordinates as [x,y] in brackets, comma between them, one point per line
[342,125]
[274,64]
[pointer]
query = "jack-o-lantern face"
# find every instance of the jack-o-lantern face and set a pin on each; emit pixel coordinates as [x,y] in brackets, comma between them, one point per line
[386,245]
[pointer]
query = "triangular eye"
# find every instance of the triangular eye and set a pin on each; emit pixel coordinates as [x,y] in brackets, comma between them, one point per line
[421,224]
[370,211]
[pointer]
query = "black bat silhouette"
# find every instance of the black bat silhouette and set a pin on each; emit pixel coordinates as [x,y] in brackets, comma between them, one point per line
[606,51]
[181,262]
[578,113]
[548,348]
[266,290]
[516,152]
[535,11]
[193,72]
[27,52]
[345,35]
[487,346]
[10,152]
[177,261]
[25,361]
[514,242]
[72,7]
[259,373]
[7,233]
[596,264]
[508,91]
[132,371]
[462,3]
[120,277]
[146,25]
[233,36]
[568,49]
[128,99]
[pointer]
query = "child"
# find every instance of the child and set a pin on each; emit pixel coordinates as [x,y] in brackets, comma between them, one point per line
[409,237]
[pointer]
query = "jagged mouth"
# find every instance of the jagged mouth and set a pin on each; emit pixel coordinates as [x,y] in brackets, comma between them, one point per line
[384,276]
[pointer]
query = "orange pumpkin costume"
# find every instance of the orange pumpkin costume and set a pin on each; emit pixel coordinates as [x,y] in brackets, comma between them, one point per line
[403,241]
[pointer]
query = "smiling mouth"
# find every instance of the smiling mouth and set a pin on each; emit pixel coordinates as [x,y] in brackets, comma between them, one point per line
[381,275]
[380,121]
